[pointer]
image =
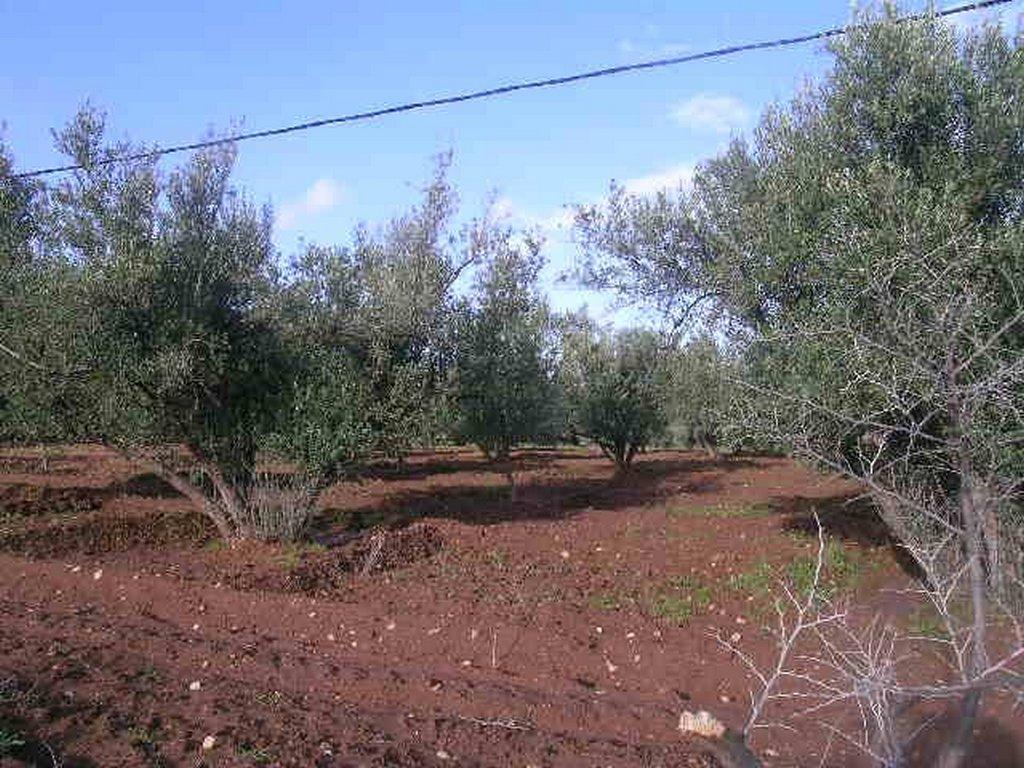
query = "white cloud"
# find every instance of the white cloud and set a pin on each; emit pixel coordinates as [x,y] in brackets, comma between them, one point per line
[551,225]
[504,209]
[648,43]
[560,220]
[649,50]
[712,112]
[668,179]
[322,195]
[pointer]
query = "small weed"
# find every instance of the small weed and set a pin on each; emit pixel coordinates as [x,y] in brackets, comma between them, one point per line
[9,691]
[254,754]
[10,742]
[679,599]
[606,601]
[147,738]
[148,675]
[756,582]
[292,554]
[498,558]
[215,545]
[632,530]
[674,608]
[269,699]
[924,623]
[841,571]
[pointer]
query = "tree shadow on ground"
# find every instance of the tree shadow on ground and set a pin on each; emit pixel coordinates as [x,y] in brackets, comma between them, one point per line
[478,504]
[849,517]
[420,465]
[147,485]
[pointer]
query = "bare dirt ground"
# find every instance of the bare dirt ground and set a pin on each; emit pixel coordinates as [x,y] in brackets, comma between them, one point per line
[569,627]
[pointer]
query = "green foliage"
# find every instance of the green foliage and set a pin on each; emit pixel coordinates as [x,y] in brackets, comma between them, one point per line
[754,582]
[152,318]
[615,386]
[608,601]
[19,214]
[924,622]
[384,307]
[863,255]
[841,570]
[699,395]
[149,312]
[10,742]
[255,755]
[505,371]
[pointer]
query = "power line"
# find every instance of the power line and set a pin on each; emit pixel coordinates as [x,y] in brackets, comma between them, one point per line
[504,89]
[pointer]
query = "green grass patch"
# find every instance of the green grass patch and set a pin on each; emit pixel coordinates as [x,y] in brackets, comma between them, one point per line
[498,558]
[143,737]
[755,582]
[679,599]
[756,509]
[841,572]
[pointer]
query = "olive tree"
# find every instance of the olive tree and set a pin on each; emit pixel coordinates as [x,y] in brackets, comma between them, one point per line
[28,281]
[616,386]
[505,388]
[698,399]
[386,303]
[160,301]
[865,250]
[20,211]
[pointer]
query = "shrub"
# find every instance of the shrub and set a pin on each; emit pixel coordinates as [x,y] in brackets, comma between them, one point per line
[615,389]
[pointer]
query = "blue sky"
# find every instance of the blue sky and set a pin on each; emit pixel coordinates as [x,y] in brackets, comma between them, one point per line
[171,72]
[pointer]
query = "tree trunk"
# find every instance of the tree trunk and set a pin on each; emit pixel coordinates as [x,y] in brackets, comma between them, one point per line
[630,455]
[958,749]
[988,515]
[231,501]
[503,450]
[195,495]
[957,752]
[513,489]
[732,752]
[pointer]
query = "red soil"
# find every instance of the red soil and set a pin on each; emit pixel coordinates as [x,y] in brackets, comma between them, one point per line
[548,631]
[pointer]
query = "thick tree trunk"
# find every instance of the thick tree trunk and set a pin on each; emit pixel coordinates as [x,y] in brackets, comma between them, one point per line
[198,499]
[231,501]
